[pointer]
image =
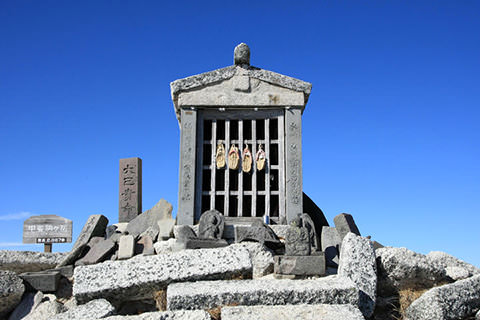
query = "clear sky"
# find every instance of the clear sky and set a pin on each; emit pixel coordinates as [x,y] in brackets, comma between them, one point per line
[390,133]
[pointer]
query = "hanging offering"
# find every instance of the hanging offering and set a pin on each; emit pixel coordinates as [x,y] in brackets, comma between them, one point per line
[233,157]
[220,156]
[246,160]
[260,158]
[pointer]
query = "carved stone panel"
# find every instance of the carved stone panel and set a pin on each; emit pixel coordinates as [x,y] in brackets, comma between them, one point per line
[293,163]
[186,192]
[130,189]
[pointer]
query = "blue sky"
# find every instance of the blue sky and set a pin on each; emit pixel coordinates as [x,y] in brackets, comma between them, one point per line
[390,133]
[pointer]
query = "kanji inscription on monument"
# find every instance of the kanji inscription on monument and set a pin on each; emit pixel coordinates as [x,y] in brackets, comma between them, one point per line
[48,229]
[130,189]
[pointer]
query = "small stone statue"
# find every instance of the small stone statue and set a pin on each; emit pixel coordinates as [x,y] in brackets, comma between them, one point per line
[297,241]
[211,225]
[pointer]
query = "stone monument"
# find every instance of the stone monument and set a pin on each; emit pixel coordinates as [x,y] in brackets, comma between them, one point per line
[130,189]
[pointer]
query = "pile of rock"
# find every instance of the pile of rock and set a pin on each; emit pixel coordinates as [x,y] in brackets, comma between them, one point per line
[150,269]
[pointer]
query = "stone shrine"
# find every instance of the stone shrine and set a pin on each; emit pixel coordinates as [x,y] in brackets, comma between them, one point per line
[241,143]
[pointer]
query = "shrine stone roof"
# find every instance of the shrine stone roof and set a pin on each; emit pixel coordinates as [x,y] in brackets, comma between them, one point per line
[239,85]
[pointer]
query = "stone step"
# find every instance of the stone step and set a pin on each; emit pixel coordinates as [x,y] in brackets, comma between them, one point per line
[139,277]
[211,294]
[288,312]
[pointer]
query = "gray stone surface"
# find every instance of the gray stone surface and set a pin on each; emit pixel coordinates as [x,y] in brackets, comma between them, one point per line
[94,227]
[454,268]
[166,315]
[28,261]
[211,225]
[149,218]
[95,309]
[140,276]
[451,301]
[165,227]
[300,265]
[130,189]
[126,247]
[66,271]
[201,243]
[288,312]
[29,302]
[98,252]
[477,315]
[210,294]
[261,256]
[167,246]
[11,291]
[45,281]
[185,232]
[151,232]
[330,240]
[344,224]
[280,230]
[399,268]
[258,232]
[297,242]
[357,262]
[46,310]
[145,246]
[215,76]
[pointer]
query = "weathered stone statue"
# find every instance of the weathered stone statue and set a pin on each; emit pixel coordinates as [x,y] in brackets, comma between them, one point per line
[211,225]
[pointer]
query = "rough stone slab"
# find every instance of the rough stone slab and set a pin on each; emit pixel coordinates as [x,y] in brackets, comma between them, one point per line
[11,291]
[288,312]
[358,263]
[29,261]
[45,281]
[139,277]
[330,242]
[149,218]
[166,315]
[454,268]
[98,252]
[344,224]
[300,265]
[94,227]
[45,310]
[211,294]
[261,256]
[477,316]
[402,268]
[126,247]
[95,309]
[451,301]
